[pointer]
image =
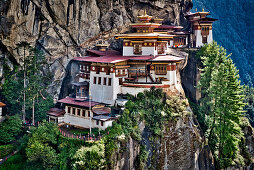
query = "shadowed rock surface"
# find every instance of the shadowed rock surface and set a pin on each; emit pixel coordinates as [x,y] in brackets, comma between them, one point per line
[65,28]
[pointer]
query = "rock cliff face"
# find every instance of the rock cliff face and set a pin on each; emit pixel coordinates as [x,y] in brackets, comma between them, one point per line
[182,146]
[190,75]
[64,28]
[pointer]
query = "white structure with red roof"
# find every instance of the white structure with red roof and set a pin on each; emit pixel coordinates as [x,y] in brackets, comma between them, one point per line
[147,61]
[84,113]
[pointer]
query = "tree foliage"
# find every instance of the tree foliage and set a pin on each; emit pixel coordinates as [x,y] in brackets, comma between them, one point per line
[42,146]
[222,103]
[10,128]
[28,84]
[92,157]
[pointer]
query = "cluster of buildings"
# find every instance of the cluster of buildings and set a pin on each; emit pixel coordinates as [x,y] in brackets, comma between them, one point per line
[104,76]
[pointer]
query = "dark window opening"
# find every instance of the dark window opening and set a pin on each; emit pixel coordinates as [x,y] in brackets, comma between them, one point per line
[204,40]
[97,122]
[69,109]
[97,69]
[120,81]
[104,81]
[94,80]
[137,49]
[161,69]
[78,112]
[84,113]
[88,115]
[109,81]
[73,111]
[107,70]
[101,123]
[99,80]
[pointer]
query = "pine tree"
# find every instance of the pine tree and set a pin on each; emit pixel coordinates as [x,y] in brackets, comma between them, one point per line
[224,106]
[26,87]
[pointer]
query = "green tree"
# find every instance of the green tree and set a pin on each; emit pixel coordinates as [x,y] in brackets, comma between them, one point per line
[29,82]
[224,105]
[92,157]
[10,128]
[42,145]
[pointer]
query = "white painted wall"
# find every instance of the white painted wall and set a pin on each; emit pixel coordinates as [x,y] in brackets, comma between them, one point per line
[105,124]
[78,121]
[83,121]
[149,51]
[104,93]
[171,43]
[198,38]
[133,90]
[60,119]
[1,112]
[101,93]
[128,51]
[210,37]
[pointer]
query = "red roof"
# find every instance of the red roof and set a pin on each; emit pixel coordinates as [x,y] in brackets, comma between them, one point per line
[141,57]
[115,59]
[102,111]
[103,53]
[204,19]
[167,58]
[104,59]
[73,101]
[181,33]
[2,104]
[170,27]
[56,112]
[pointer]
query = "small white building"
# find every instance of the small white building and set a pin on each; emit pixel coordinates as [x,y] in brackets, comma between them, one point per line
[56,115]
[84,113]
[201,26]
[1,110]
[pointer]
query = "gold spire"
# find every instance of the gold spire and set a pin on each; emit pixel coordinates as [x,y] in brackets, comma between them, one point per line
[203,10]
[145,13]
[196,9]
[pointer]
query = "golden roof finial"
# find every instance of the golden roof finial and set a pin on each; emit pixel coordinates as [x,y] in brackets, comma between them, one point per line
[196,9]
[145,13]
[203,10]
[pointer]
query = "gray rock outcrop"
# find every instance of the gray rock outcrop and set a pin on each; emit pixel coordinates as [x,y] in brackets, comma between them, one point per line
[65,28]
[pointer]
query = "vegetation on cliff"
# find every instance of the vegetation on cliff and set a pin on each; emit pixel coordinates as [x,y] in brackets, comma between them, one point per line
[25,87]
[221,105]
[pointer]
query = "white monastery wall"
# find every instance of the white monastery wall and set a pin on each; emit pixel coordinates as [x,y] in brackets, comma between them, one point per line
[198,38]
[127,51]
[100,92]
[105,124]
[210,37]
[149,51]
[78,121]
[171,43]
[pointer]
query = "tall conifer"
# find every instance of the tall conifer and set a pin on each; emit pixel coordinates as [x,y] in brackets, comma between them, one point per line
[224,104]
